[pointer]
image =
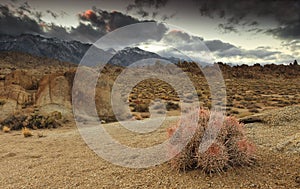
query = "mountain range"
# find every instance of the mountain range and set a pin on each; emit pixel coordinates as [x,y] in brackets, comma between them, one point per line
[66,51]
[73,51]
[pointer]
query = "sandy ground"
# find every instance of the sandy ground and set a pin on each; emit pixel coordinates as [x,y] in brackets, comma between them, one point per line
[62,159]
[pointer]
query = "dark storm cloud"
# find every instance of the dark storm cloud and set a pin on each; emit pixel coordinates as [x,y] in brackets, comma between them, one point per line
[143,13]
[222,49]
[184,42]
[140,4]
[227,28]
[180,37]
[83,32]
[144,8]
[217,45]
[154,14]
[117,20]
[90,16]
[93,24]
[109,21]
[86,33]
[105,20]
[285,13]
[290,32]
[137,34]
[15,25]
[237,14]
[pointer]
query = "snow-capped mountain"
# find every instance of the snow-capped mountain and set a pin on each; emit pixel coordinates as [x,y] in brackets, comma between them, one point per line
[73,51]
[67,51]
[130,55]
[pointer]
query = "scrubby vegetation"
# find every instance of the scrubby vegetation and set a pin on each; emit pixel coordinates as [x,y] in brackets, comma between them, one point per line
[33,121]
[231,147]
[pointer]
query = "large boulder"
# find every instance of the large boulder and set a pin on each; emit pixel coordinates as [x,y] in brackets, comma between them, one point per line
[55,94]
[54,91]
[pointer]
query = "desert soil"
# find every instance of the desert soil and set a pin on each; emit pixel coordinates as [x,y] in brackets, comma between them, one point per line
[61,159]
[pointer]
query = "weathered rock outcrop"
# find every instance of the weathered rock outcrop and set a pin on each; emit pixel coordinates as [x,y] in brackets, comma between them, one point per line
[13,95]
[7,108]
[21,78]
[17,93]
[54,92]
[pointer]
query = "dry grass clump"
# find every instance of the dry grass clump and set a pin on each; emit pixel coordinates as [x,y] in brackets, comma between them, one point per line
[231,148]
[26,132]
[6,129]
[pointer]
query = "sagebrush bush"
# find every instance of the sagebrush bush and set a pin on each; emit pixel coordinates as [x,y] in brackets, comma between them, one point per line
[230,148]
[6,129]
[26,132]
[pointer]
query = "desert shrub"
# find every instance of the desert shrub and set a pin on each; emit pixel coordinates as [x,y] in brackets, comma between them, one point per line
[6,129]
[230,148]
[34,121]
[14,122]
[141,108]
[26,132]
[172,106]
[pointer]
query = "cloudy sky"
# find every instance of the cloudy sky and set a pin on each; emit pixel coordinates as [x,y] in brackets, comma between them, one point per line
[246,31]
